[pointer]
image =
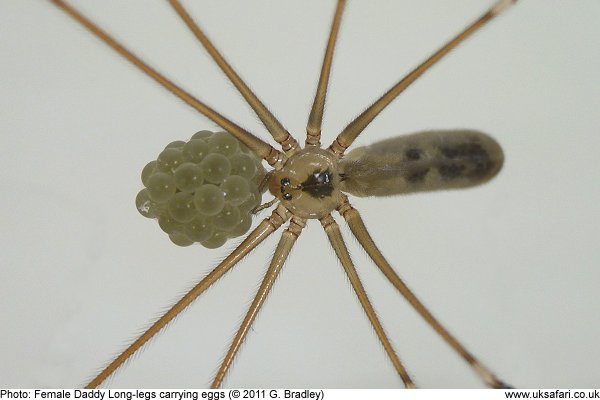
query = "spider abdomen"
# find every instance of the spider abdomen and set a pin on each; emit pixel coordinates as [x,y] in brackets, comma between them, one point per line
[424,161]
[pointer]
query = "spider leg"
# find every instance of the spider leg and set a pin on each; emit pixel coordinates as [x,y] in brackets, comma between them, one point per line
[359,230]
[259,147]
[264,229]
[313,128]
[337,242]
[261,207]
[279,133]
[288,238]
[351,132]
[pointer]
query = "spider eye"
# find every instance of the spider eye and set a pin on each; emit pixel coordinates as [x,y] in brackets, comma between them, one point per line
[287,196]
[285,181]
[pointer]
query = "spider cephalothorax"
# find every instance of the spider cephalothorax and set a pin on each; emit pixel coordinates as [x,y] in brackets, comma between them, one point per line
[308,183]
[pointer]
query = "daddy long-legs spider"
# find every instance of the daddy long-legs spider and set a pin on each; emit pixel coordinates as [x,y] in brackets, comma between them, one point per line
[507,267]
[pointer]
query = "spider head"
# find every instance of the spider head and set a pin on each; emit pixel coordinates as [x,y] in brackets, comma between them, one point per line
[308,183]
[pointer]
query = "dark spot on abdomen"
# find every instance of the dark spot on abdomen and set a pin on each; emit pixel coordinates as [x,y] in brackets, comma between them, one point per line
[413,154]
[417,176]
[464,150]
[465,159]
[451,171]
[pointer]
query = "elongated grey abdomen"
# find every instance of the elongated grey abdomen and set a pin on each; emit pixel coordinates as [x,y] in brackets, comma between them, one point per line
[424,161]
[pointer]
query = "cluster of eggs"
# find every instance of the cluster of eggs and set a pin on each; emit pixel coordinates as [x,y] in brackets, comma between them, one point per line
[202,190]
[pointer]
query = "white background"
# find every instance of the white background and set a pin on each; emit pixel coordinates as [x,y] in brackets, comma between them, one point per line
[511,268]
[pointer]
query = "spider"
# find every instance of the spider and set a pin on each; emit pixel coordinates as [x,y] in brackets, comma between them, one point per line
[297,254]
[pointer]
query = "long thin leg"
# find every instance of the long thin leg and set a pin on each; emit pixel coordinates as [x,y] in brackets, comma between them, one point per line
[351,132]
[259,147]
[279,133]
[313,129]
[264,229]
[288,238]
[360,232]
[337,242]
